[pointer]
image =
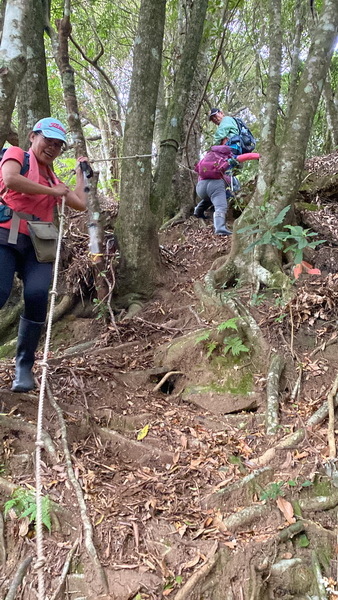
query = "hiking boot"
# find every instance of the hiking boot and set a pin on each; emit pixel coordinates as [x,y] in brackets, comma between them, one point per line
[219,224]
[201,207]
[28,339]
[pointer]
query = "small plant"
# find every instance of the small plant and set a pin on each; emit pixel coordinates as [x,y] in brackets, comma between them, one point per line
[267,233]
[23,502]
[101,308]
[232,344]
[235,346]
[272,491]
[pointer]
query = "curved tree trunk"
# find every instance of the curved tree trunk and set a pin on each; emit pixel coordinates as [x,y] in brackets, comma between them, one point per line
[33,99]
[136,228]
[162,191]
[12,59]
[281,171]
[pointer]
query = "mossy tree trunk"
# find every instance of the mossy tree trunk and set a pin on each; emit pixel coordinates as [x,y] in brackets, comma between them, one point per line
[12,59]
[162,194]
[136,227]
[33,99]
[281,165]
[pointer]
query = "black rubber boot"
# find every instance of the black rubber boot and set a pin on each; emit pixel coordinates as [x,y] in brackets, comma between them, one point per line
[201,207]
[219,224]
[28,339]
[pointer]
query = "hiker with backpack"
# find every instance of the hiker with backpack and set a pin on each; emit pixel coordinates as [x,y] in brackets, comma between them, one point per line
[232,132]
[213,185]
[30,192]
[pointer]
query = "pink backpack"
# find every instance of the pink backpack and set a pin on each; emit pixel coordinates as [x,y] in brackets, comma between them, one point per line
[214,163]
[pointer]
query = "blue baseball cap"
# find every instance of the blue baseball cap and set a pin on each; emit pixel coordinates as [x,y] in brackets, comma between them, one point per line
[51,128]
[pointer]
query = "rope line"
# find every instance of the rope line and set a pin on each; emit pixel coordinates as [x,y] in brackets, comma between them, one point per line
[41,559]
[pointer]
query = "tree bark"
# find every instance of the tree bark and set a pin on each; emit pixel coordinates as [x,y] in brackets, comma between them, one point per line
[136,228]
[162,189]
[33,99]
[12,59]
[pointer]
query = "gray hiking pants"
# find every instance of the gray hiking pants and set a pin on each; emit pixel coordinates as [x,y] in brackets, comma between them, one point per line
[214,190]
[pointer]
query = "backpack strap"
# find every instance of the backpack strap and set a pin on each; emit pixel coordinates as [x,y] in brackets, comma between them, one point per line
[15,222]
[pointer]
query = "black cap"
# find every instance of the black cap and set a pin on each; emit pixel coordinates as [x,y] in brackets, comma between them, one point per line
[213,112]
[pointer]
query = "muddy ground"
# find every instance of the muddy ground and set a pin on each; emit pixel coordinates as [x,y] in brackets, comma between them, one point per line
[187,495]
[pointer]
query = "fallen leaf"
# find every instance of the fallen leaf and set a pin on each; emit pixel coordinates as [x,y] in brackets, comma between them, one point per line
[287,509]
[143,432]
[193,562]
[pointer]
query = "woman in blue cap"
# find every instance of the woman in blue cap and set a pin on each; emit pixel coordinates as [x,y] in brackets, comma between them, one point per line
[30,189]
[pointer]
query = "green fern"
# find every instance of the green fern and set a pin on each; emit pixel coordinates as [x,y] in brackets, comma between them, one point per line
[235,346]
[211,346]
[229,324]
[23,502]
[202,337]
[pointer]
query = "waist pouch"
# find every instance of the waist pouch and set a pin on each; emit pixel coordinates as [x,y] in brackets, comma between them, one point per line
[44,236]
[5,213]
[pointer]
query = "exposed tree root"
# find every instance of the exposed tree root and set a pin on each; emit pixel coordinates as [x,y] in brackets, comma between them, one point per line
[136,451]
[331,426]
[64,306]
[212,558]
[2,541]
[252,481]
[180,217]
[87,526]
[9,317]
[293,439]
[15,424]
[65,570]
[246,516]
[18,577]
[319,577]
[276,367]
[320,502]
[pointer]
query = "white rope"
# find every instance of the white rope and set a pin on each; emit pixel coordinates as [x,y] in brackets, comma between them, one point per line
[41,559]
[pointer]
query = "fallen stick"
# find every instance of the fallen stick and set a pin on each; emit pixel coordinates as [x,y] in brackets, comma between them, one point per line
[87,525]
[18,577]
[276,367]
[212,558]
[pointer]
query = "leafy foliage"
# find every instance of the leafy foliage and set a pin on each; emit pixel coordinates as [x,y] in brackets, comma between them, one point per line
[23,502]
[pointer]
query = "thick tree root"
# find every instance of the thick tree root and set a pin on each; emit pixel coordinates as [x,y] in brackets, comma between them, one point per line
[18,577]
[15,424]
[2,542]
[276,367]
[201,573]
[87,526]
[133,450]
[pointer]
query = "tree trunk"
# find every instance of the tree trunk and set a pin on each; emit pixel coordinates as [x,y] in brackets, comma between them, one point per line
[161,197]
[281,171]
[136,227]
[331,113]
[33,99]
[12,59]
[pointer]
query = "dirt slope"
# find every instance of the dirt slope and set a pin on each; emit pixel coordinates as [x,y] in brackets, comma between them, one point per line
[188,497]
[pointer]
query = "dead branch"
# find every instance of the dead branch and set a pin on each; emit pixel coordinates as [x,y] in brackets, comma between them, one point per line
[18,577]
[87,526]
[212,558]
[276,367]
[330,428]
[65,570]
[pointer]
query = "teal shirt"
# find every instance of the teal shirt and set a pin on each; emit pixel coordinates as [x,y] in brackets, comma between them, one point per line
[226,129]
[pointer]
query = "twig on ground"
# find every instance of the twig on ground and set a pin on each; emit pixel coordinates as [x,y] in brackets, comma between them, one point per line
[18,577]
[87,526]
[185,592]
[296,390]
[276,367]
[65,570]
[330,428]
